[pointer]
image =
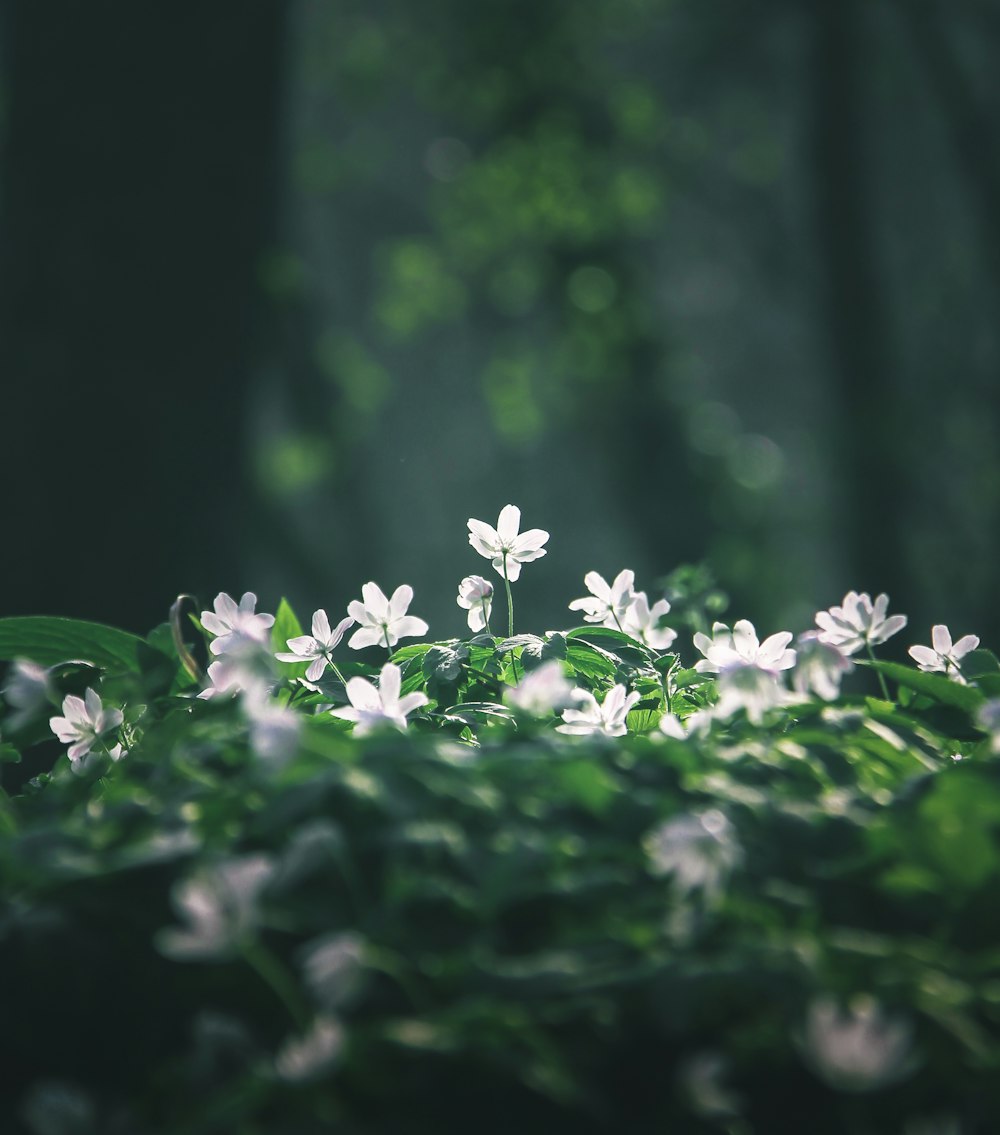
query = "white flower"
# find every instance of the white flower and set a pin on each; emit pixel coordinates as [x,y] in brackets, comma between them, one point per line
[988,719]
[944,656]
[607,604]
[819,666]
[702,1076]
[85,723]
[304,1058]
[858,1048]
[699,849]
[542,691]
[740,646]
[372,707]
[245,671]
[670,725]
[233,625]
[274,728]
[332,967]
[475,595]
[641,622]
[383,622]
[503,545]
[607,718]
[220,906]
[28,689]
[858,622]
[749,687]
[317,647]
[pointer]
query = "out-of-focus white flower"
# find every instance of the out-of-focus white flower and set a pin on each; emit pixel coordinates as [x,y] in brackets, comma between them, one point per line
[607,604]
[375,706]
[382,621]
[642,622]
[740,646]
[699,849]
[542,691]
[274,728]
[607,717]
[858,622]
[28,691]
[85,724]
[701,1078]
[475,595]
[944,656]
[819,666]
[503,545]
[751,688]
[233,625]
[670,725]
[247,670]
[220,906]
[859,1048]
[317,648]
[304,1058]
[332,967]
[988,719]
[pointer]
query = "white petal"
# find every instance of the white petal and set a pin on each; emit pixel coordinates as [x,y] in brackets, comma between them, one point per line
[964,645]
[390,680]
[225,607]
[402,597]
[596,585]
[941,638]
[513,568]
[508,523]
[357,611]
[375,600]
[530,541]
[409,626]
[409,702]
[363,694]
[366,636]
[320,626]
[926,658]
[316,668]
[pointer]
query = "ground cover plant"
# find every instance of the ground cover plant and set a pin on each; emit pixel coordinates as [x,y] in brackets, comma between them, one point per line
[649,873]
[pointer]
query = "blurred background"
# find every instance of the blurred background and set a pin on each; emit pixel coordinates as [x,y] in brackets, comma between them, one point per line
[288,291]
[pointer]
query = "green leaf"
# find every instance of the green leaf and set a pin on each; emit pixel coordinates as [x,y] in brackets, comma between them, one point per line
[9,755]
[286,626]
[48,640]
[978,663]
[934,686]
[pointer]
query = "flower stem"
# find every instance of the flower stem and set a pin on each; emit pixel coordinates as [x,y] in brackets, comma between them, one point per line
[510,601]
[388,645]
[881,676]
[336,670]
[273,973]
[486,616]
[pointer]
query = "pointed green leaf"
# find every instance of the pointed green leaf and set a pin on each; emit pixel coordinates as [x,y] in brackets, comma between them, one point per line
[48,640]
[935,686]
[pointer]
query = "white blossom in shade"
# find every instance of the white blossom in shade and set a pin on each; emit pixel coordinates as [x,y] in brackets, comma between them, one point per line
[642,622]
[858,1048]
[988,719]
[475,595]
[503,545]
[234,624]
[944,656]
[542,691]
[607,717]
[85,724]
[28,691]
[220,905]
[247,670]
[317,648]
[606,603]
[740,646]
[698,849]
[304,1058]
[819,667]
[274,728]
[751,688]
[375,706]
[702,1079]
[332,967]
[381,621]
[858,622]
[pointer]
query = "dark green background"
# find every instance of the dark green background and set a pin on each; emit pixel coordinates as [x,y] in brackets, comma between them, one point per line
[289,291]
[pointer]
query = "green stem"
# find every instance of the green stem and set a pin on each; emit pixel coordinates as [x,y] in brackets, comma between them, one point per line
[273,973]
[340,677]
[881,676]
[486,616]
[510,601]
[385,633]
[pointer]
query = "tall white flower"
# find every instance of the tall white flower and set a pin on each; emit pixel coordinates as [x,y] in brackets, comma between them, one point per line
[944,656]
[752,688]
[606,604]
[607,717]
[503,545]
[475,595]
[858,622]
[381,621]
[642,622]
[234,625]
[317,648]
[740,646]
[86,723]
[220,905]
[858,1048]
[819,666]
[542,691]
[375,706]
